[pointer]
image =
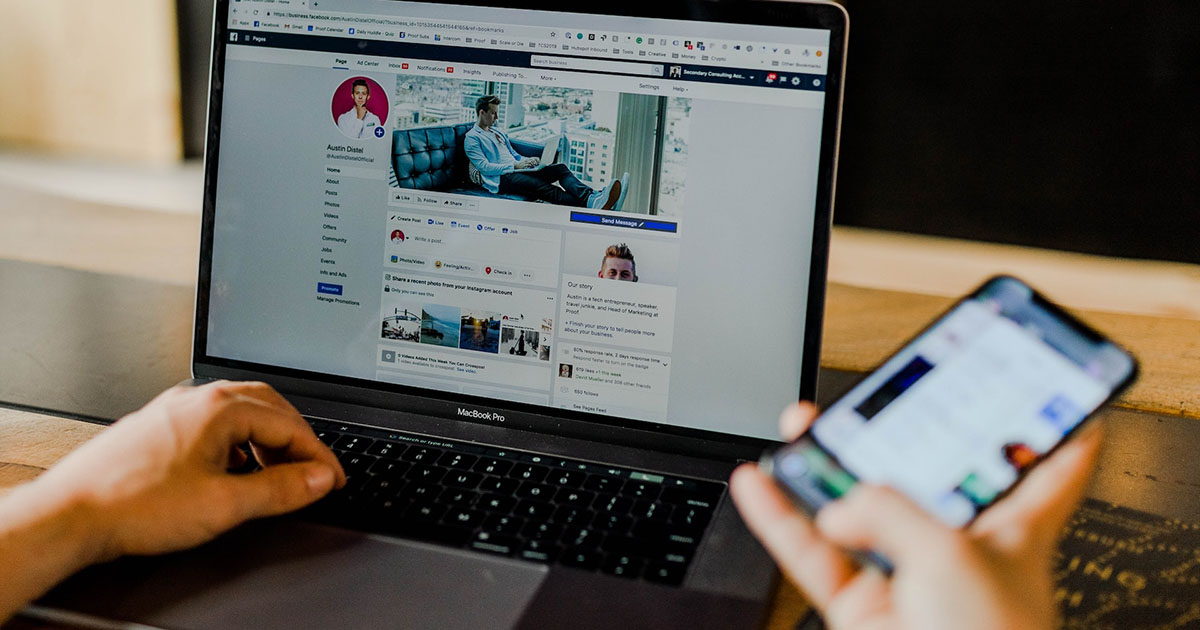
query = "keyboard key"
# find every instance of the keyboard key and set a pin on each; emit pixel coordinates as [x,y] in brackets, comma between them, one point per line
[383,486]
[588,559]
[539,551]
[578,498]
[506,525]
[571,515]
[387,468]
[421,491]
[690,518]
[425,510]
[613,523]
[328,437]
[458,497]
[499,485]
[609,504]
[497,503]
[421,455]
[537,510]
[495,543]
[425,474]
[462,479]
[493,466]
[565,478]
[641,490]
[529,472]
[581,537]
[542,531]
[466,518]
[651,511]
[622,565]
[678,496]
[356,463]
[457,460]
[352,444]
[603,483]
[665,572]
[383,448]
[537,491]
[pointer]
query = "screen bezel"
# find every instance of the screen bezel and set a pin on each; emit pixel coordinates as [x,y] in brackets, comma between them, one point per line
[661,436]
[1038,300]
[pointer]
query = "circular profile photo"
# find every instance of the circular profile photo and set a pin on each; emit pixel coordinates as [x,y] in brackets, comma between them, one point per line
[397,237]
[360,108]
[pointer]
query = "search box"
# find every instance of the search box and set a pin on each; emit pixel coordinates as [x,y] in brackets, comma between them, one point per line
[596,65]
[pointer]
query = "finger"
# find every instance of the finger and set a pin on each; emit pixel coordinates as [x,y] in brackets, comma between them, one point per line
[277,435]
[1040,506]
[816,567]
[279,489]
[883,520]
[796,419]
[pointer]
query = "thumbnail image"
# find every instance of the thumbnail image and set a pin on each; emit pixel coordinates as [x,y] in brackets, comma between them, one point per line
[402,323]
[360,107]
[587,149]
[439,325]
[479,331]
[565,370]
[521,342]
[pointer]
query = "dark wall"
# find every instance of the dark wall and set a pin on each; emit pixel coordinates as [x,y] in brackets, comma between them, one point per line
[195,42]
[1066,125]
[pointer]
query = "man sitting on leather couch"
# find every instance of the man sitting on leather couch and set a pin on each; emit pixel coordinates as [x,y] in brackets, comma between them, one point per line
[495,165]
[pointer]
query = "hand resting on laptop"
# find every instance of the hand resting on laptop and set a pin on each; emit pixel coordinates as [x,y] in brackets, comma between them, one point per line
[995,574]
[158,481]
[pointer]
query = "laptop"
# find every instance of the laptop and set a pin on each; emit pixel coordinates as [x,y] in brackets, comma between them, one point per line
[549,152]
[537,405]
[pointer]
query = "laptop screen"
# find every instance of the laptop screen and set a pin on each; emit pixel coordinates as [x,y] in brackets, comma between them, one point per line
[608,217]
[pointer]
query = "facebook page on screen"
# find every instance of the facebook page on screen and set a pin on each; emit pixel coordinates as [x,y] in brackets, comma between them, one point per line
[601,214]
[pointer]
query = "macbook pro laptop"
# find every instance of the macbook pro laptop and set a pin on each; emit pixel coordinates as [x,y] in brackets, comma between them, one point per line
[537,404]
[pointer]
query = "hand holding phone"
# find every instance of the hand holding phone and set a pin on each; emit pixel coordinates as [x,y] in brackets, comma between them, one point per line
[996,573]
[920,448]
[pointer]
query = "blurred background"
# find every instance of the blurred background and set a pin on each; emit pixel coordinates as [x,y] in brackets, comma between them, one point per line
[1070,126]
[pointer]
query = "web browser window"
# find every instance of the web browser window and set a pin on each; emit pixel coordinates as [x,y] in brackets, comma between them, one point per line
[592,213]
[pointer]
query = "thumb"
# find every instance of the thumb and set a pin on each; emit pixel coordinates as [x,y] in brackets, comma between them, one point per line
[882,520]
[280,488]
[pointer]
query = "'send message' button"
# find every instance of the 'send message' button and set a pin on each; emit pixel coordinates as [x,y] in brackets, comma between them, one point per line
[626,221]
[329,289]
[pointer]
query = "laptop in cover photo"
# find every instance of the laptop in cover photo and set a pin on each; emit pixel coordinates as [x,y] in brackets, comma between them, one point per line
[537,403]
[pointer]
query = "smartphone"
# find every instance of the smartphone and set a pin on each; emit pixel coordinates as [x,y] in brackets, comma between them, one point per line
[964,410]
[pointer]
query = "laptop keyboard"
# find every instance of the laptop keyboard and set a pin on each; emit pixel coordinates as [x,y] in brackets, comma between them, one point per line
[529,506]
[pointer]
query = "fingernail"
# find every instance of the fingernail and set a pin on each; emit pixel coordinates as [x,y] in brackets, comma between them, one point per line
[320,479]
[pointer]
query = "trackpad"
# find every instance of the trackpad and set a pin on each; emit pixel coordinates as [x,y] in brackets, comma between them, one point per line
[288,575]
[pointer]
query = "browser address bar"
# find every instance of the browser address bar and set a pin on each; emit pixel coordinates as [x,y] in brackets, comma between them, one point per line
[596,65]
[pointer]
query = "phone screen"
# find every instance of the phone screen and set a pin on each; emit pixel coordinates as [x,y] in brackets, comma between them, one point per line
[956,416]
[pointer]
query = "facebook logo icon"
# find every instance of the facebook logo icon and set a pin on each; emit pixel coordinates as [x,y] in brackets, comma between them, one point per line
[256,23]
[310,27]
[351,30]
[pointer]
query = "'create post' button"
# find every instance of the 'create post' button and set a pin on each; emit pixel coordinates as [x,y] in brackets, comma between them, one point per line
[329,289]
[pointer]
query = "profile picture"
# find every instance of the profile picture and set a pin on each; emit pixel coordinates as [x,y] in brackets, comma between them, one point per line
[675,73]
[565,370]
[618,264]
[360,105]
[397,237]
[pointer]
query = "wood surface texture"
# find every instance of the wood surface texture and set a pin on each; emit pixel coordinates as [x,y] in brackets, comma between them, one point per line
[91,78]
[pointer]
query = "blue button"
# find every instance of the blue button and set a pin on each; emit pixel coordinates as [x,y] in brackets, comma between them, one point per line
[331,289]
[627,221]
